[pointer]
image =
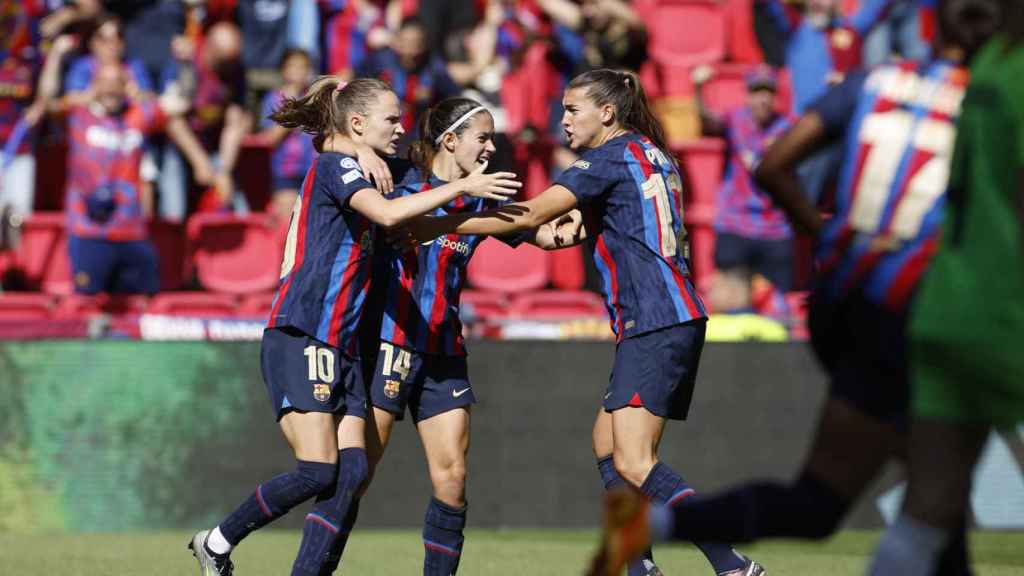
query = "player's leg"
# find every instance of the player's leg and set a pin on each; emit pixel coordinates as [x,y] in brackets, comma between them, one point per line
[941,458]
[637,433]
[445,440]
[440,406]
[604,444]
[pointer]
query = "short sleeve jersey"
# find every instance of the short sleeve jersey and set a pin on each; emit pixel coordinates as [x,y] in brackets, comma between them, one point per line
[422,286]
[325,273]
[897,124]
[83,69]
[633,197]
[19,62]
[743,207]
[103,170]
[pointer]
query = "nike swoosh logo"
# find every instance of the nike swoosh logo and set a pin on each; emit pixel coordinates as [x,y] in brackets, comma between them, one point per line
[457,393]
[606,396]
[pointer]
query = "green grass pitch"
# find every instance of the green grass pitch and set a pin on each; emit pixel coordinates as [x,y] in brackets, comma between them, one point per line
[500,552]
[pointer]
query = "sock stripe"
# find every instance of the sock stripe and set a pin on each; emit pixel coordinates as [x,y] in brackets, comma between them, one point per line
[318,519]
[441,548]
[680,496]
[263,503]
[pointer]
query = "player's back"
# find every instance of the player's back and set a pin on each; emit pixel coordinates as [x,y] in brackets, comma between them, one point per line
[325,272]
[897,123]
[631,193]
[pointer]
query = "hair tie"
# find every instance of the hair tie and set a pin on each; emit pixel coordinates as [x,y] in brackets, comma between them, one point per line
[341,86]
[455,125]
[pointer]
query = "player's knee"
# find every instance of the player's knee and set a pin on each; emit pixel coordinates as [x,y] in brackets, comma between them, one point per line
[633,468]
[317,477]
[450,476]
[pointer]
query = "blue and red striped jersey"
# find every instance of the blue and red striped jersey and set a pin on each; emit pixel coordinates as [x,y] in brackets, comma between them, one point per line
[327,261]
[422,287]
[897,124]
[295,152]
[743,208]
[103,170]
[632,195]
[20,59]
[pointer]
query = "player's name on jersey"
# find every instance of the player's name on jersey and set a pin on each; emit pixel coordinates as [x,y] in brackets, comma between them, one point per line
[906,87]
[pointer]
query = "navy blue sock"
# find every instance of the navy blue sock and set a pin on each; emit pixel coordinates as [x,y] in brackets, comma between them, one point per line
[324,524]
[664,486]
[442,538]
[275,497]
[611,478]
[805,509]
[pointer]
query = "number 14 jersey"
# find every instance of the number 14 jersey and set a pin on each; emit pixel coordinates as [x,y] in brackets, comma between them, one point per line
[897,127]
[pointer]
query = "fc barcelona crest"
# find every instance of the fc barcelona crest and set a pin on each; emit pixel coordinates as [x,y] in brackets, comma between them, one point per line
[322,392]
[391,388]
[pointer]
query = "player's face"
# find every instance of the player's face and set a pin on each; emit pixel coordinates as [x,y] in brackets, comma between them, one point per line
[476,143]
[382,126]
[761,104]
[583,119]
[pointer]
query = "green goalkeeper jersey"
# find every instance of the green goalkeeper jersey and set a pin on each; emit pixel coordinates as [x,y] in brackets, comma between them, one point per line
[968,318]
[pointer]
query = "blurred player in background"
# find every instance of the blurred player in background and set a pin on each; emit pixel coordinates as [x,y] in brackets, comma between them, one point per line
[967,366]
[310,352]
[631,194]
[897,126]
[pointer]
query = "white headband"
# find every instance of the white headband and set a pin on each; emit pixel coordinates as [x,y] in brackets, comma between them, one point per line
[455,125]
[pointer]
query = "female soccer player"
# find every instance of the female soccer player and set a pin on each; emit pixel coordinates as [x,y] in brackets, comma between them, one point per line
[421,359]
[309,354]
[897,125]
[631,194]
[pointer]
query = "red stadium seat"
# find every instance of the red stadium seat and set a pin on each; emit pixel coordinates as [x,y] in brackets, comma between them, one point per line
[26,306]
[256,305]
[727,89]
[742,41]
[558,305]
[500,268]
[567,272]
[484,305]
[79,305]
[683,34]
[704,161]
[42,253]
[235,254]
[200,304]
[169,240]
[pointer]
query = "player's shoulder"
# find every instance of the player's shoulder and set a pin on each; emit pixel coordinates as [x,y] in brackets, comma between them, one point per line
[334,168]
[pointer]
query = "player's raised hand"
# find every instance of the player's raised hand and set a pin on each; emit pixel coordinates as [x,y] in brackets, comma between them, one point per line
[497,186]
[375,169]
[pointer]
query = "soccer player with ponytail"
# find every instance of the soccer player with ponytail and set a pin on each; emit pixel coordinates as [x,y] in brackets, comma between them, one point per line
[630,192]
[310,354]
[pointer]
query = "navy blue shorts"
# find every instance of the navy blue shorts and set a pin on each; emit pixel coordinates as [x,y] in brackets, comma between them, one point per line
[99,265]
[428,384]
[657,370]
[303,374]
[772,259]
[862,347]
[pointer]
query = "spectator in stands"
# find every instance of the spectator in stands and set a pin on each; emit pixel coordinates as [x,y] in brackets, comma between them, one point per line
[293,149]
[752,234]
[418,77]
[822,46]
[149,28]
[105,46]
[19,65]
[346,28]
[105,207]
[899,33]
[614,35]
[211,76]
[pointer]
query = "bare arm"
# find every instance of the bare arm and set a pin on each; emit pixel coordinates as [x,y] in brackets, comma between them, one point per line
[777,171]
[179,132]
[563,12]
[236,124]
[711,123]
[563,232]
[48,87]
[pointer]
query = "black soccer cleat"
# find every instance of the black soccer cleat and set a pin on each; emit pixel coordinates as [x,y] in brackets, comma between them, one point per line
[209,564]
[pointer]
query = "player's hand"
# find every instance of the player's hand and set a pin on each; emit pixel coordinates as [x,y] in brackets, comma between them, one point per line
[415,232]
[568,228]
[374,168]
[225,187]
[173,103]
[63,45]
[497,186]
[702,74]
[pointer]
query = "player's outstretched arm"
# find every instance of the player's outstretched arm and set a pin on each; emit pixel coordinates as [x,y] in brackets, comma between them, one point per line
[777,171]
[506,220]
[396,211]
[563,232]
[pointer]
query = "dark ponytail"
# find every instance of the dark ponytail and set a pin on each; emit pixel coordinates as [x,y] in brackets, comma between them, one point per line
[434,122]
[322,110]
[623,91]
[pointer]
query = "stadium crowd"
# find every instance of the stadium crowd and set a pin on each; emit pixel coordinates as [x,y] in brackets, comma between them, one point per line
[153,109]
